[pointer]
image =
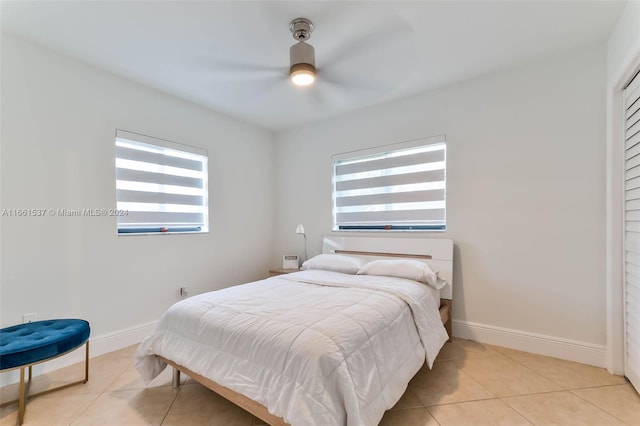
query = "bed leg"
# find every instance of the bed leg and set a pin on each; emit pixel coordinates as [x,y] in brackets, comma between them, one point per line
[446,316]
[175,381]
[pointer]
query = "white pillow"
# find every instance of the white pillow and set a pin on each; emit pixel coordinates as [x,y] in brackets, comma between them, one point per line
[403,268]
[334,262]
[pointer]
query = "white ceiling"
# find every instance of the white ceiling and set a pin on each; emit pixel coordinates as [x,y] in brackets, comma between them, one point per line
[233,57]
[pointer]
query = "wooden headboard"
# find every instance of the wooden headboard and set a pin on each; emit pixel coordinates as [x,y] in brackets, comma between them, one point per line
[436,252]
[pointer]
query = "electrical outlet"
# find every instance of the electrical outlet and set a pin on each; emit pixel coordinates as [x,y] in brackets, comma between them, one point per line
[29,317]
[184,292]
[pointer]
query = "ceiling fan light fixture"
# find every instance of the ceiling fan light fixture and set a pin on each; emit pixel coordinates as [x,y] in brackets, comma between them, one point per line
[302,74]
[302,56]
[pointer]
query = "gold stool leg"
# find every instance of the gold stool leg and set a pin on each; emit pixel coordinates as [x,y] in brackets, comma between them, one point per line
[23,391]
[24,387]
[86,364]
[22,396]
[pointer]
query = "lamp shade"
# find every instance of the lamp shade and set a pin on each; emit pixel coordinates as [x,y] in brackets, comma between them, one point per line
[300,229]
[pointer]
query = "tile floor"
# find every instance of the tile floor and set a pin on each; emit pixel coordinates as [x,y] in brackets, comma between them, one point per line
[470,385]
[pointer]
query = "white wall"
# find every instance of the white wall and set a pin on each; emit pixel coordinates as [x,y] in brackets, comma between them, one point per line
[525,196]
[624,42]
[623,60]
[58,125]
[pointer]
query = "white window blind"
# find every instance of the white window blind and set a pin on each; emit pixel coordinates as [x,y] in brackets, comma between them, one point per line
[632,232]
[161,184]
[396,187]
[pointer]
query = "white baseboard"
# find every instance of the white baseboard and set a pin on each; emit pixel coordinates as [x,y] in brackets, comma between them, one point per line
[98,345]
[557,347]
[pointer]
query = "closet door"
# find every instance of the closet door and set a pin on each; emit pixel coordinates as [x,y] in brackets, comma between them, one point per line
[632,232]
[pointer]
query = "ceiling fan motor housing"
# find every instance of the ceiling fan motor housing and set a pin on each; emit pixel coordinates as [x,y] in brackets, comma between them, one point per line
[302,53]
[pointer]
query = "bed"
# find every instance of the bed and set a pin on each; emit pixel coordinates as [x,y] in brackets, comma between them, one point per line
[313,347]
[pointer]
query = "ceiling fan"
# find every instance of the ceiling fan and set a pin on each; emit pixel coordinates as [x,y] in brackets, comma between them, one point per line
[302,56]
[350,45]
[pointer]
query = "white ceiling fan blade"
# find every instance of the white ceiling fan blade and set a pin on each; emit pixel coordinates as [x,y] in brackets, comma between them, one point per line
[329,95]
[354,82]
[380,59]
[247,74]
[231,68]
[248,91]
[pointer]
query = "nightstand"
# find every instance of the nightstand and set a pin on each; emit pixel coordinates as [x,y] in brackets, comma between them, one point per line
[280,271]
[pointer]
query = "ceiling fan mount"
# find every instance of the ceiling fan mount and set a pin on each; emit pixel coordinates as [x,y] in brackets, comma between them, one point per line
[301,29]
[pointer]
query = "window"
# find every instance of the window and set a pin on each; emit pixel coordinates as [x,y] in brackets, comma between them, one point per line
[394,187]
[161,186]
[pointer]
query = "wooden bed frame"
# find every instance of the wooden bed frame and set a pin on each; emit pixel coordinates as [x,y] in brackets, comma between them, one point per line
[440,257]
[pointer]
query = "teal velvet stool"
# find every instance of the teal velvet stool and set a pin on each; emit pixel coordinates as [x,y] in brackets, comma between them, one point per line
[25,345]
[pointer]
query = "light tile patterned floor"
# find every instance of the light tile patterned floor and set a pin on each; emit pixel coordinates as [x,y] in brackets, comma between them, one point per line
[470,385]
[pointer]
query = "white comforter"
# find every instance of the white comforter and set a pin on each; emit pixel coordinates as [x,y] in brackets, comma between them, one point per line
[314,347]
